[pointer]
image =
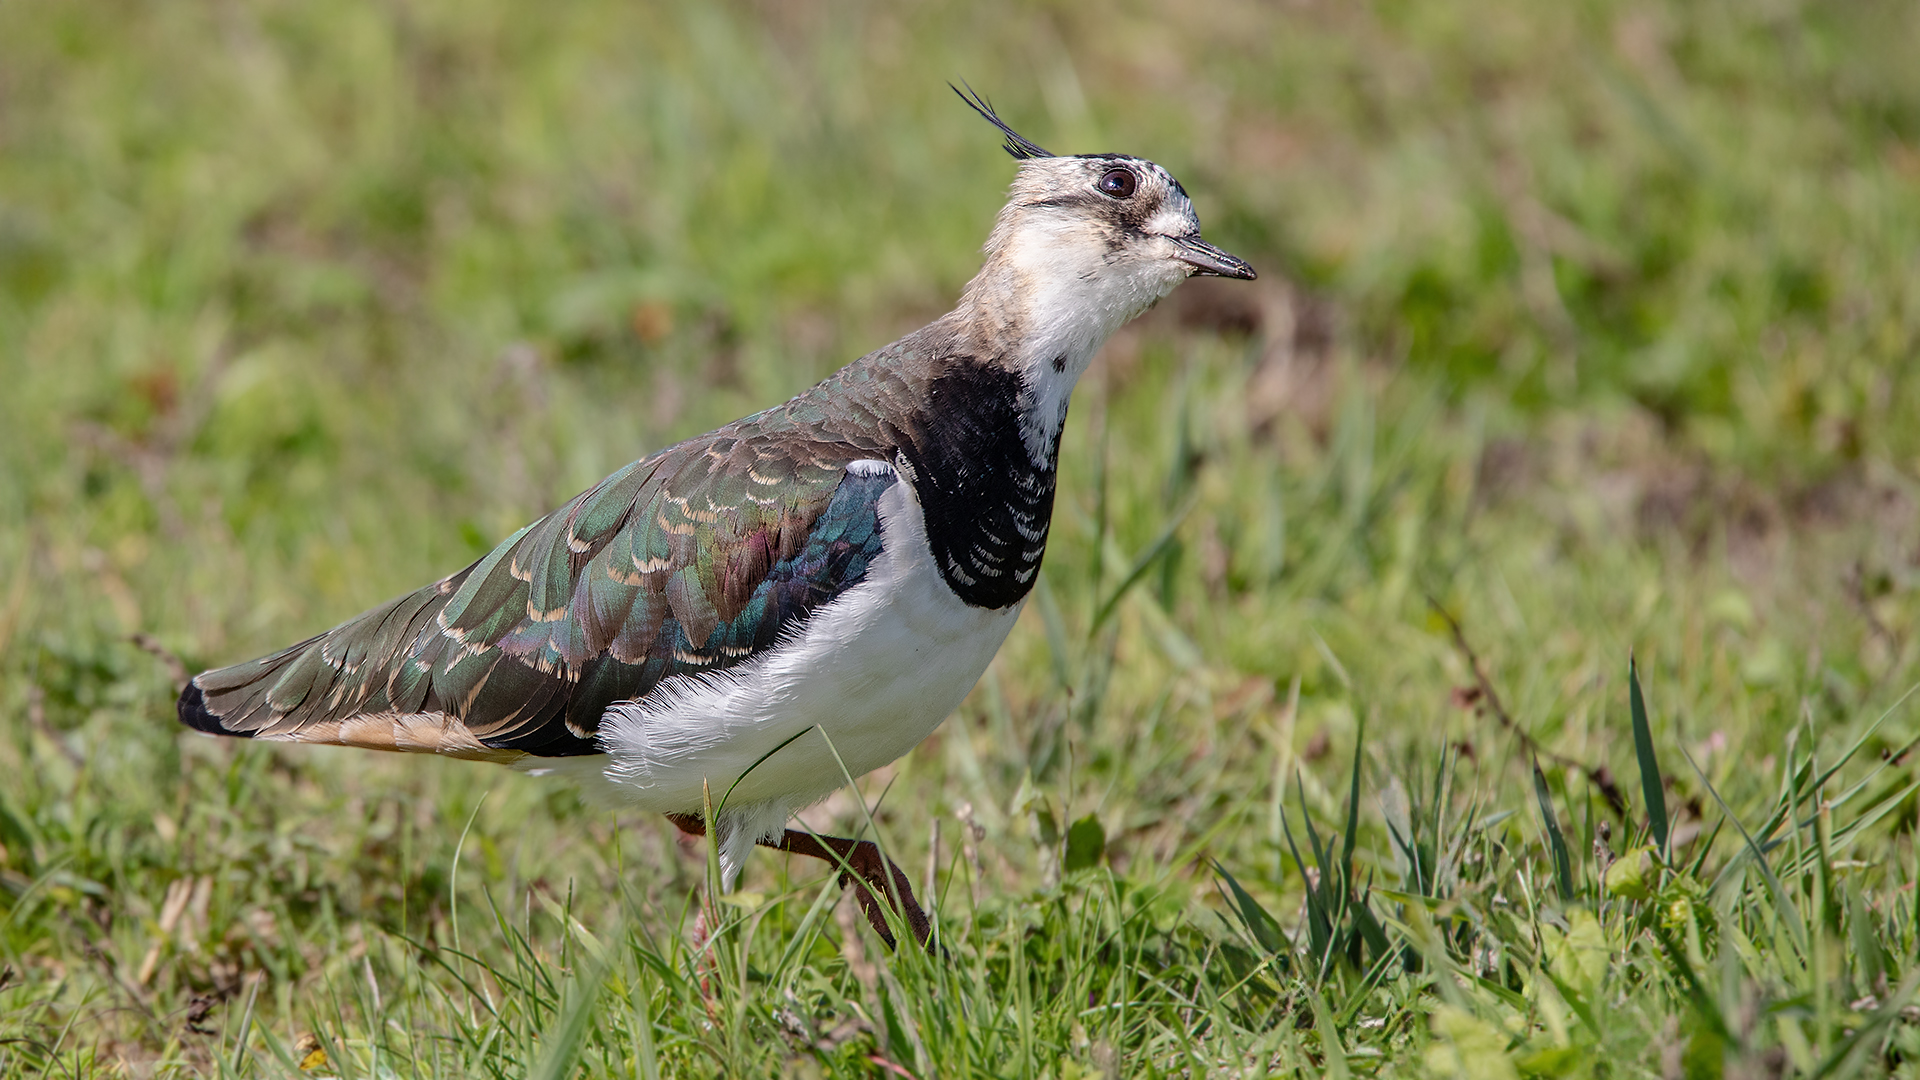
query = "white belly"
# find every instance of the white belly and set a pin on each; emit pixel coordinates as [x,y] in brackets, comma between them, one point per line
[868,676]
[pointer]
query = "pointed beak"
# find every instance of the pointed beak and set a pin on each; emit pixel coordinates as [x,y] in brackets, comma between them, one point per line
[1210,261]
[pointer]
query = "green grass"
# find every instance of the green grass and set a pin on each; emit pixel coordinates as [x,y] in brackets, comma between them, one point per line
[1592,327]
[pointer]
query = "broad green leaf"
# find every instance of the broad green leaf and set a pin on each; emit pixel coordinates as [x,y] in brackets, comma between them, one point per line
[1468,1047]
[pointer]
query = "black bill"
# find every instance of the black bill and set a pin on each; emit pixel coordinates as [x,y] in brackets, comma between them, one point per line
[1211,261]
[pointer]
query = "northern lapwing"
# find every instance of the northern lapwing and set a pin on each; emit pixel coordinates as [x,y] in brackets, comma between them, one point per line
[747,618]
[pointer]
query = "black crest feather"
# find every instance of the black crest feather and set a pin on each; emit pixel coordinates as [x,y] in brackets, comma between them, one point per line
[1018,145]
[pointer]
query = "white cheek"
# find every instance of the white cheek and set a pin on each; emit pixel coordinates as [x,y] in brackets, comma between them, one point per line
[1061,256]
[1170,222]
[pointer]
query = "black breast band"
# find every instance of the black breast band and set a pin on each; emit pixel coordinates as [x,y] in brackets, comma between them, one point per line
[987,505]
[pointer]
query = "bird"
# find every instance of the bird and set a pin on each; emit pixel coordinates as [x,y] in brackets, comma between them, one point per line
[730,629]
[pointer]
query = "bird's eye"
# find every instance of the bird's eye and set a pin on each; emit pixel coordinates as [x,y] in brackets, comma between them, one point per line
[1118,184]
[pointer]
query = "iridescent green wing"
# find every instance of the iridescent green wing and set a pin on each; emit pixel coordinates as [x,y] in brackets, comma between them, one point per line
[693,560]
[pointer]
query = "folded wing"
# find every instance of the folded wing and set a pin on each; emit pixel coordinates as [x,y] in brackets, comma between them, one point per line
[693,560]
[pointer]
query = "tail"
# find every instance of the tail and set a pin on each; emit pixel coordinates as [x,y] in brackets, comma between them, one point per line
[393,679]
[367,683]
[194,714]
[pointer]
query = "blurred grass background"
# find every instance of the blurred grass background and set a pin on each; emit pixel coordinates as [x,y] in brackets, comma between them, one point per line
[1594,323]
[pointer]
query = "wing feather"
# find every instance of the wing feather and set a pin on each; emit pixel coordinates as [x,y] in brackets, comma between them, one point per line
[487,598]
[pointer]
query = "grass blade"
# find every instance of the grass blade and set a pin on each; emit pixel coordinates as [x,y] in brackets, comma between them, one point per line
[1141,564]
[1319,929]
[1261,925]
[563,1044]
[1562,862]
[1651,787]
[1885,1015]
[1353,802]
[1690,981]
[1782,901]
[1334,1055]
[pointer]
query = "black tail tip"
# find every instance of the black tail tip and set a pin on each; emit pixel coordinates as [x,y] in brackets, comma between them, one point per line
[194,714]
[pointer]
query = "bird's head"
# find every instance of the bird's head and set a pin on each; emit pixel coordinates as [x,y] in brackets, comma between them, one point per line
[1086,242]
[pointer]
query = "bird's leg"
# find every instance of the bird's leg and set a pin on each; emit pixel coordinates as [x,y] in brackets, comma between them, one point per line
[861,865]
[865,868]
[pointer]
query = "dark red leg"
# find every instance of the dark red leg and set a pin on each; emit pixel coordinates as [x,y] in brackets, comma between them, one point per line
[874,870]
[863,867]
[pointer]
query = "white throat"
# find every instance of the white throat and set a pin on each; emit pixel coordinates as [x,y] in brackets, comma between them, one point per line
[1058,288]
